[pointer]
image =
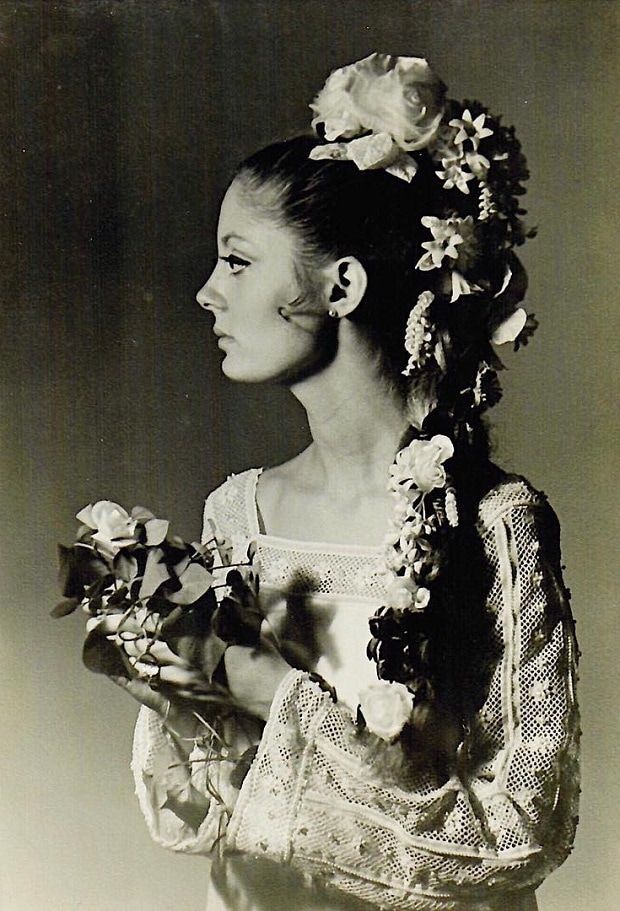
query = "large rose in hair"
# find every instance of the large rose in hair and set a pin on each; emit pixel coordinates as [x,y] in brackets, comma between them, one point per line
[397,96]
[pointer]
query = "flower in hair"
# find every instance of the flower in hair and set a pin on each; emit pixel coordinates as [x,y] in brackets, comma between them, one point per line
[373,112]
[470,129]
[510,328]
[454,175]
[452,237]
[419,335]
[420,464]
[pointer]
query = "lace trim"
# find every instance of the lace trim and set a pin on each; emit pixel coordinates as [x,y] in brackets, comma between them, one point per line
[295,567]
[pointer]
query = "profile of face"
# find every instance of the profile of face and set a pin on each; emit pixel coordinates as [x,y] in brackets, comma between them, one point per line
[252,285]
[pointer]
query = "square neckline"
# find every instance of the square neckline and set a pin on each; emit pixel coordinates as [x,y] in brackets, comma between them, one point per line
[255,520]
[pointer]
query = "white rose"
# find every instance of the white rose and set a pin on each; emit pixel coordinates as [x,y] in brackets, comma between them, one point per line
[425,458]
[114,528]
[400,593]
[386,708]
[400,96]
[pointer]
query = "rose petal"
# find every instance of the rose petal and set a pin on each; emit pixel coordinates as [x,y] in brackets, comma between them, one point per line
[156,531]
[445,444]
[85,516]
[510,328]
[404,167]
[336,151]
[372,152]
[506,282]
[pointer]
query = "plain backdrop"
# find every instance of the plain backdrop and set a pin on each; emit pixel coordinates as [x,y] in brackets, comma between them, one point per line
[120,124]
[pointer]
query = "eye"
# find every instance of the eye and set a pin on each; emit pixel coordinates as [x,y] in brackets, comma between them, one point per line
[235,263]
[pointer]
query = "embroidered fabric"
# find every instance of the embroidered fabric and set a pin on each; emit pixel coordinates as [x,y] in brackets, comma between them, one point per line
[319,568]
[316,798]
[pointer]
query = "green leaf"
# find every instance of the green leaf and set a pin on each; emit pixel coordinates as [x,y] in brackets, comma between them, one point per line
[155,573]
[195,582]
[78,567]
[187,803]
[102,657]
[64,608]
[125,566]
[242,767]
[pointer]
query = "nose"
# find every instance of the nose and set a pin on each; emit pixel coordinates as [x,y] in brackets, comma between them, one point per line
[209,297]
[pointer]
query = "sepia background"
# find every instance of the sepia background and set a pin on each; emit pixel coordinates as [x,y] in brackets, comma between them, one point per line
[120,123]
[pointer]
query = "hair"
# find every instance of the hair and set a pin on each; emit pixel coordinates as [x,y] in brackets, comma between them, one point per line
[337,210]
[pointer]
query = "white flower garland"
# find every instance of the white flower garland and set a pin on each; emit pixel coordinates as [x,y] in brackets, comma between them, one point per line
[375,113]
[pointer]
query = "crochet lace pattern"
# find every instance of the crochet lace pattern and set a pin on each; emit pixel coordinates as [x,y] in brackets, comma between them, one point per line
[313,797]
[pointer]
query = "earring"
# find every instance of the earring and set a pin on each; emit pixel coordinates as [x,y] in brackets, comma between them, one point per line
[333,313]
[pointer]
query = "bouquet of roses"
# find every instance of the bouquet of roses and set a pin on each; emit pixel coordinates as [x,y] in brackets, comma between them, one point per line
[189,596]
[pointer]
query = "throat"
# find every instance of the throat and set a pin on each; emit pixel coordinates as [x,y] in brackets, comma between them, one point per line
[302,513]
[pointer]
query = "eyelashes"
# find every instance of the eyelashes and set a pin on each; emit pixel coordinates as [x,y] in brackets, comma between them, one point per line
[235,263]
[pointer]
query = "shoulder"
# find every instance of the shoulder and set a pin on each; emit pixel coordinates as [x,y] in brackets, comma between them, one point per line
[230,506]
[512,492]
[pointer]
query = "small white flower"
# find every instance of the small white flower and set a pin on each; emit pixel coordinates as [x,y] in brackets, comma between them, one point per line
[486,204]
[386,708]
[460,285]
[452,514]
[478,164]
[400,593]
[454,175]
[471,129]
[419,334]
[453,237]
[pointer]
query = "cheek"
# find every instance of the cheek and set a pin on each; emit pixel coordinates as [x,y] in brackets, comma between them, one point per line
[280,351]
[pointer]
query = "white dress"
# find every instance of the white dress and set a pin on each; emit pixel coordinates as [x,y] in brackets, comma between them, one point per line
[318,824]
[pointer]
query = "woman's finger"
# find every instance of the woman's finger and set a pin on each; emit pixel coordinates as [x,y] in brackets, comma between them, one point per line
[144,649]
[143,693]
[129,625]
[170,674]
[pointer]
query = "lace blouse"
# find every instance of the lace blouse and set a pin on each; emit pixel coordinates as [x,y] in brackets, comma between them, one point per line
[315,801]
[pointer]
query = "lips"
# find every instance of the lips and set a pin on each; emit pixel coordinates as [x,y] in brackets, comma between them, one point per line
[220,334]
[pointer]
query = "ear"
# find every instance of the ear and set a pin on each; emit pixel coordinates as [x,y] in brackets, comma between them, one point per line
[345,284]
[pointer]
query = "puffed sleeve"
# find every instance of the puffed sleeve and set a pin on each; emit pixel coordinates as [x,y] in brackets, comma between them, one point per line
[315,798]
[187,800]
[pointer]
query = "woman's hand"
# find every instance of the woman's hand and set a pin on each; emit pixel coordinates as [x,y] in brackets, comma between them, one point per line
[254,675]
[152,660]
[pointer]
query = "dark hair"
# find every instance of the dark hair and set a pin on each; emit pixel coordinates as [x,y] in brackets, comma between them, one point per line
[338,210]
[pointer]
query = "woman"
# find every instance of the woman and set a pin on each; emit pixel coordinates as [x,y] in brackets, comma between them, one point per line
[371,270]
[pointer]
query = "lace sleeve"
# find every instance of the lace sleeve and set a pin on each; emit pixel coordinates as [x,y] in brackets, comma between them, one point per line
[314,797]
[187,802]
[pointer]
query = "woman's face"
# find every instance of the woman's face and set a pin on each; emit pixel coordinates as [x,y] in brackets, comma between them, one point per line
[254,278]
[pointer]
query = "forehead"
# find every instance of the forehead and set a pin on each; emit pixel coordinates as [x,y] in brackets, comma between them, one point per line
[241,221]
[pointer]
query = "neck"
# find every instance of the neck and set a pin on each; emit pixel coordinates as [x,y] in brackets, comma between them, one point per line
[355,419]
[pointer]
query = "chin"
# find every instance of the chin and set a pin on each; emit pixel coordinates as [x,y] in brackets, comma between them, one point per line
[244,373]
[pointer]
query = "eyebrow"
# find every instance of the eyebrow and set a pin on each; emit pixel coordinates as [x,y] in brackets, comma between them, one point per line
[232,236]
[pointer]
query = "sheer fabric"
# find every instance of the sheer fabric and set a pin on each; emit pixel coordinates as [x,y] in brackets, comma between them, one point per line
[317,817]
